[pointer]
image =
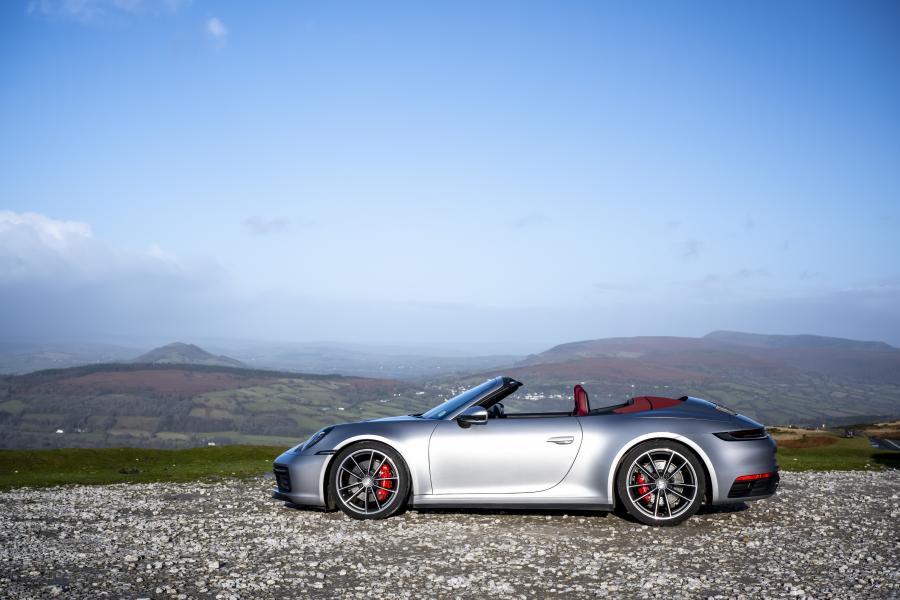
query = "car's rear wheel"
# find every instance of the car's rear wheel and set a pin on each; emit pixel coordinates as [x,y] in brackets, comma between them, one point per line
[661,482]
[369,481]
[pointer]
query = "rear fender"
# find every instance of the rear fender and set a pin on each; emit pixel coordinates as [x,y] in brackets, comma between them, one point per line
[663,435]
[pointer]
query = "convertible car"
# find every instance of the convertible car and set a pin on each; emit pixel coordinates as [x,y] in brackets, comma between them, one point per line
[658,458]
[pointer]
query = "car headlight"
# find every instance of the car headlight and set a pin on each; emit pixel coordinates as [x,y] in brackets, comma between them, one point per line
[312,441]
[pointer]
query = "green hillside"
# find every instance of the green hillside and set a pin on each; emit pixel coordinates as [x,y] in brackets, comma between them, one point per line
[775,379]
[186,405]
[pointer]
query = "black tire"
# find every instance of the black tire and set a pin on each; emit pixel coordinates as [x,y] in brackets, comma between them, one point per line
[665,504]
[365,483]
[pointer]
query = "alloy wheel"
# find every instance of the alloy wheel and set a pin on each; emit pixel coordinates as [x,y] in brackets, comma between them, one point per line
[367,481]
[662,484]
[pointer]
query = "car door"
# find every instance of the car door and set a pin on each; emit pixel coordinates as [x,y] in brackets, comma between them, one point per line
[503,456]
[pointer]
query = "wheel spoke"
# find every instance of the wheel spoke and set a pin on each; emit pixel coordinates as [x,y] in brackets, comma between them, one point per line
[656,505]
[680,496]
[678,469]
[649,474]
[357,464]
[355,495]
[644,496]
[349,486]
[668,462]
[383,460]
[668,506]
[653,462]
[359,477]
[371,460]
[375,498]
[384,488]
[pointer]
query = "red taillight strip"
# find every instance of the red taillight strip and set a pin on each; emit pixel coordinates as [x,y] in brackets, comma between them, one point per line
[754,477]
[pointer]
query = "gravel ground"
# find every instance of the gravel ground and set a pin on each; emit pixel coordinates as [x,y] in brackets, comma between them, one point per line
[825,535]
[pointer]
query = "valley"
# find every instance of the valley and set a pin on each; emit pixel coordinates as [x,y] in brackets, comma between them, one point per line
[179,395]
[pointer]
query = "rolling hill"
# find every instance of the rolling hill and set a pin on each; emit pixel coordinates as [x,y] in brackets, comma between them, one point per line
[166,405]
[778,379]
[179,353]
[162,402]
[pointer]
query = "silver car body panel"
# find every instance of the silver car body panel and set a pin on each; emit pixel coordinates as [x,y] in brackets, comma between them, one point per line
[537,460]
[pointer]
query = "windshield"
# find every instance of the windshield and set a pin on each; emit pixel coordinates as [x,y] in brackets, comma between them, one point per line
[456,402]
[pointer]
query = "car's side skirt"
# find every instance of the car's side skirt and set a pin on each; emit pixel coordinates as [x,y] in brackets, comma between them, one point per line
[494,502]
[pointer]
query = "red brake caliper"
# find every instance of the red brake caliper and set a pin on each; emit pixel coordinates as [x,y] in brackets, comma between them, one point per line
[643,489]
[384,480]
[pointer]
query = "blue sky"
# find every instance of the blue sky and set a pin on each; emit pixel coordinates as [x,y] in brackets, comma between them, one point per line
[490,175]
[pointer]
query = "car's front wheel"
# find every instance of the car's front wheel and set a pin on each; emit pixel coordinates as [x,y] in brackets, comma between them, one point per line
[369,481]
[661,482]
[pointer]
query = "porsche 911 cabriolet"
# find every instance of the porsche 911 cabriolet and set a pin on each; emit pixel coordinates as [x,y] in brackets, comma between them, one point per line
[658,458]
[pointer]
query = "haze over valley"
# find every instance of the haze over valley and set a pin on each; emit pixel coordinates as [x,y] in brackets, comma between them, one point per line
[182,395]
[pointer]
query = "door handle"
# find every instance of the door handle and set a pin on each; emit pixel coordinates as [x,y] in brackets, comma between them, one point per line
[562,440]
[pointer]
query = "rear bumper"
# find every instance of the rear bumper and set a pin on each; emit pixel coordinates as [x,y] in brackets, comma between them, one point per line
[299,478]
[733,459]
[754,490]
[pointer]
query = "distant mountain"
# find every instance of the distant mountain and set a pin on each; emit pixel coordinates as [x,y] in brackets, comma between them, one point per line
[758,340]
[387,362]
[179,353]
[779,379]
[364,361]
[873,362]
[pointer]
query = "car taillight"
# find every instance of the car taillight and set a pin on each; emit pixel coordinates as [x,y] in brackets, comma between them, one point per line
[743,434]
[754,477]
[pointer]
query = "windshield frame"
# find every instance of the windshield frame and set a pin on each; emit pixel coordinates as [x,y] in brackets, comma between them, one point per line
[451,408]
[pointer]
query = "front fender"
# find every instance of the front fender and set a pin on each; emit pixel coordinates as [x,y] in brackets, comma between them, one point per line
[408,437]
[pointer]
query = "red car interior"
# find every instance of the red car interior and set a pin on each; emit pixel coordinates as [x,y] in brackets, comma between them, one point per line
[582,406]
[642,403]
[636,404]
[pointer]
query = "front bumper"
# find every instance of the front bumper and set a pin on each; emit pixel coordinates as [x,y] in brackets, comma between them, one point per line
[299,478]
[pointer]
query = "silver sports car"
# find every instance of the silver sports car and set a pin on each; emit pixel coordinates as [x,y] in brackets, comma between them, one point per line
[658,458]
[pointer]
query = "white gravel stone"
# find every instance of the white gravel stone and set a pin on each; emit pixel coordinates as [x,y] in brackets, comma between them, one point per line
[824,535]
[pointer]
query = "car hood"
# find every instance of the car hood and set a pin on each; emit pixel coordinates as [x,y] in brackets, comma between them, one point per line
[400,418]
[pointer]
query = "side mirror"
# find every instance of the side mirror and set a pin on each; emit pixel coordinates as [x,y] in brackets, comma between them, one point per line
[474,415]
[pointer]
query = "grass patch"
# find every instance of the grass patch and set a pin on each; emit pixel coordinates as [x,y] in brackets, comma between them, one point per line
[853,454]
[808,441]
[40,468]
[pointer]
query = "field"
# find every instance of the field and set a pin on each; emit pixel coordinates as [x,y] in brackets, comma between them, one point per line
[41,468]
[165,406]
[854,454]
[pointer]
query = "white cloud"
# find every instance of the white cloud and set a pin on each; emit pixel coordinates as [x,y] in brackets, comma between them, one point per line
[216,28]
[57,277]
[49,231]
[36,247]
